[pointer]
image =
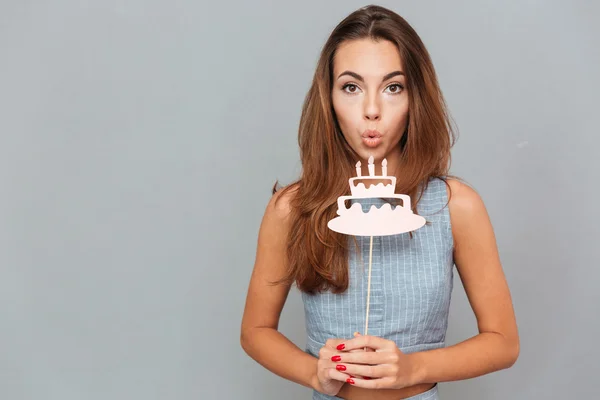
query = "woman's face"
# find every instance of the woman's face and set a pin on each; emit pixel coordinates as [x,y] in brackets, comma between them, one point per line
[368,94]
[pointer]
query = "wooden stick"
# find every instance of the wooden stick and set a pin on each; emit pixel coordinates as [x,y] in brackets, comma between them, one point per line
[369,287]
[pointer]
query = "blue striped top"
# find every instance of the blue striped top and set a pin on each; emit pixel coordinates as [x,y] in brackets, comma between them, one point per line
[411,285]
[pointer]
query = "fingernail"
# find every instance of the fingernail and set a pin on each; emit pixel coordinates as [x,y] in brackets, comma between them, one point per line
[336,358]
[350,380]
[340,367]
[341,346]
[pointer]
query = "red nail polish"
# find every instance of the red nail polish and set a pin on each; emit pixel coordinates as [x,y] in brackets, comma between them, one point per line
[336,358]
[350,380]
[341,346]
[367,378]
[340,367]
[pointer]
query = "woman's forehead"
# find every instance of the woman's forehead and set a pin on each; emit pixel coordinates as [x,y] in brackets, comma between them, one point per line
[369,58]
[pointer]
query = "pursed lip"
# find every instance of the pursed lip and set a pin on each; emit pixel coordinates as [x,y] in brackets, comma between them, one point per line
[371,133]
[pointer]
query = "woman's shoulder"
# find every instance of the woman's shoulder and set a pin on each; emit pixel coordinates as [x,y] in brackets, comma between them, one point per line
[465,205]
[281,202]
[275,225]
[459,191]
[461,195]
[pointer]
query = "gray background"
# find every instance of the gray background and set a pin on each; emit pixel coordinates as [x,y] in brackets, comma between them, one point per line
[139,141]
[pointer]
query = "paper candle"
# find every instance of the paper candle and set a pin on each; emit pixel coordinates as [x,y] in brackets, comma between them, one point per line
[371,166]
[384,167]
[358,169]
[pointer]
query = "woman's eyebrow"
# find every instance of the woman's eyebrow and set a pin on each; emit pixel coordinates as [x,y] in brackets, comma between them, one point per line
[360,78]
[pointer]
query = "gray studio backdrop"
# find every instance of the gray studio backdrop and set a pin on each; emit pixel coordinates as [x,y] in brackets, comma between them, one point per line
[139,141]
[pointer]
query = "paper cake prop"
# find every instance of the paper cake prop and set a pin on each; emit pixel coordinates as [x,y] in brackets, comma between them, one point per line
[377,221]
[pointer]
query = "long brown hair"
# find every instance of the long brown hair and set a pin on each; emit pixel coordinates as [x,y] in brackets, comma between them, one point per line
[317,256]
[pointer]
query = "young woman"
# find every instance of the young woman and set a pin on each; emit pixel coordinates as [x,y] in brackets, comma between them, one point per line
[375,93]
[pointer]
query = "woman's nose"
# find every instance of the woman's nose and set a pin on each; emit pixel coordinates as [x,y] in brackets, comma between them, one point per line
[372,111]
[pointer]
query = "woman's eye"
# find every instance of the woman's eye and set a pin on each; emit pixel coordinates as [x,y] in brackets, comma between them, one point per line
[398,88]
[350,85]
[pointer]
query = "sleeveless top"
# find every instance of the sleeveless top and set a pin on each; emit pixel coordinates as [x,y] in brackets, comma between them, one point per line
[411,286]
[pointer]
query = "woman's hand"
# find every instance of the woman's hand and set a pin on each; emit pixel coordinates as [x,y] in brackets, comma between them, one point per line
[385,368]
[326,367]
[329,379]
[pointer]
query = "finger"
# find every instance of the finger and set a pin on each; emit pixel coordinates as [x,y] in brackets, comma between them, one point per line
[325,353]
[361,350]
[361,370]
[379,383]
[357,334]
[333,342]
[373,342]
[339,375]
[340,346]
[363,357]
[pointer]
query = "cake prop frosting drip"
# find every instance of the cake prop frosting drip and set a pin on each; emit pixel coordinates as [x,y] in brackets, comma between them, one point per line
[377,221]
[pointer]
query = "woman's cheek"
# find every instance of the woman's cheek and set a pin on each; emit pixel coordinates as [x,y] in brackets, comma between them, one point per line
[345,113]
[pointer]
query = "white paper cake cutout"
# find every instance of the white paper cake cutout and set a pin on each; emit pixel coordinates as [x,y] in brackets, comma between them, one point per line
[385,220]
[381,221]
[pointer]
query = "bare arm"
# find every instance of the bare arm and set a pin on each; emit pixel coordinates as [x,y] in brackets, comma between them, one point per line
[260,338]
[476,257]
